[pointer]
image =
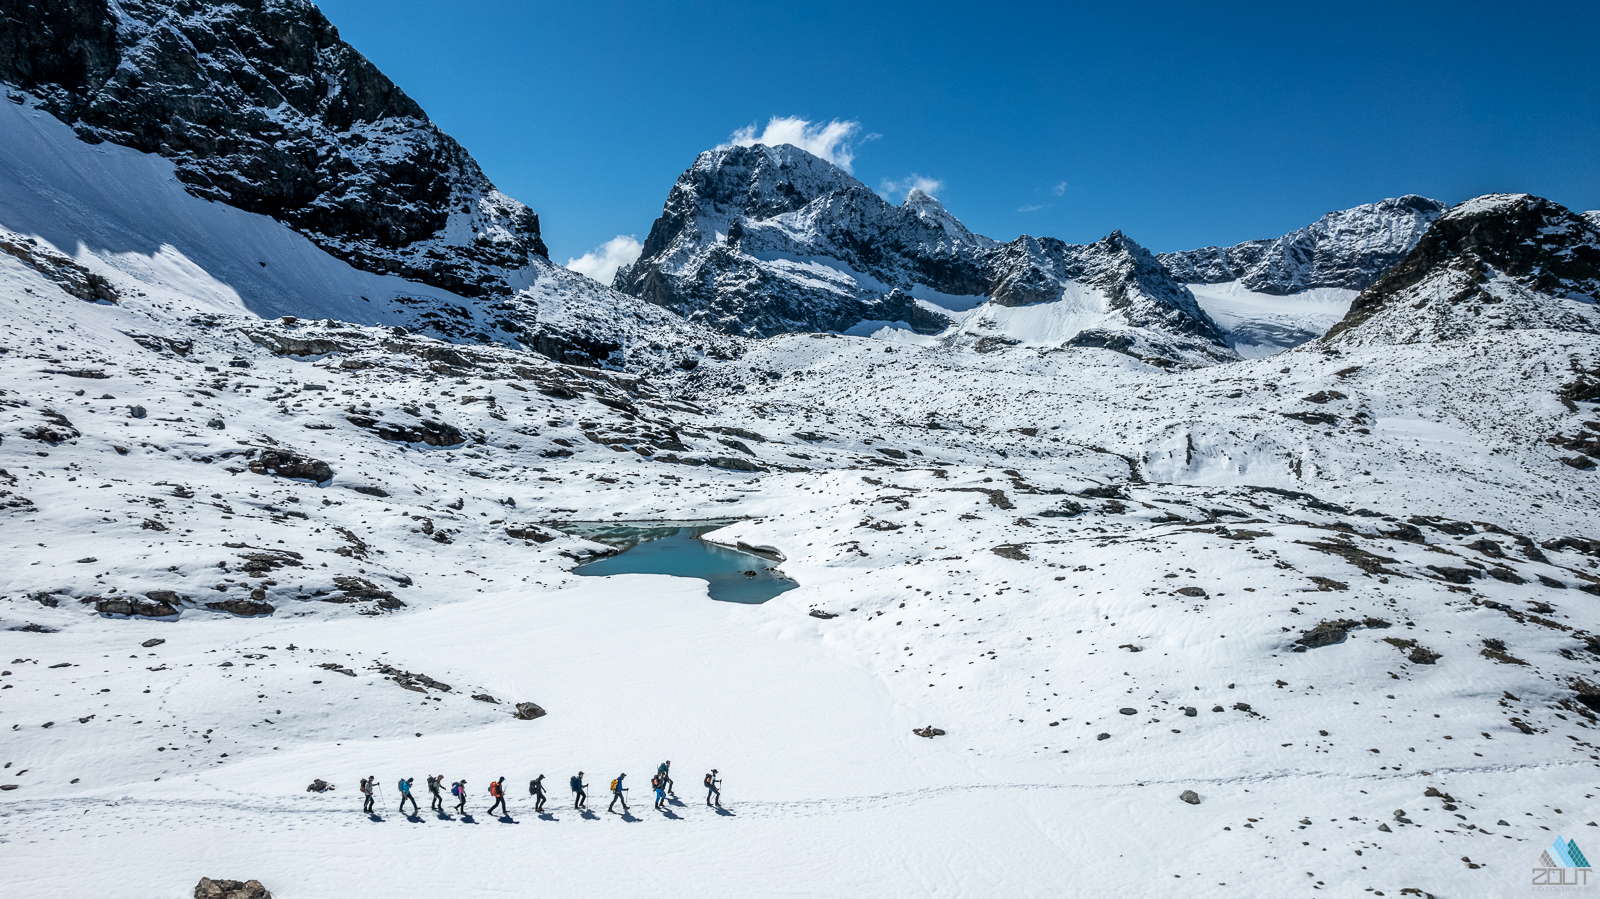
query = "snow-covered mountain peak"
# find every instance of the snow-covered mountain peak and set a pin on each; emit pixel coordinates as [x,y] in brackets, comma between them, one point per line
[930,210]
[765,240]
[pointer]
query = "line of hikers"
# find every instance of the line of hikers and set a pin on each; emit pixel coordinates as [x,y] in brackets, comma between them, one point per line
[661,783]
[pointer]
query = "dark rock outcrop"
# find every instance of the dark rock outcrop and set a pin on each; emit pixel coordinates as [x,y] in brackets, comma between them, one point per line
[527,711]
[287,464]
[230,889]
[261,105]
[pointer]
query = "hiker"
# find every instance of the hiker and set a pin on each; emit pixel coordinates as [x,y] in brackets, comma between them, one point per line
[497,789]
[659,784]
[617,789]
[459,790]
[366,790]
[405,793]
[435,784]
[580,795]
[713,788]
[666,776]
[536,790]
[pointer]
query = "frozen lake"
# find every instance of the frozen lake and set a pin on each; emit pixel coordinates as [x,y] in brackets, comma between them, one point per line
[675,548]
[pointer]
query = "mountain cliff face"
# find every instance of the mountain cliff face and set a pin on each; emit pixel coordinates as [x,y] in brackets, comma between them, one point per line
[767,240]
[1495,263]
[260,105]
[1348,249]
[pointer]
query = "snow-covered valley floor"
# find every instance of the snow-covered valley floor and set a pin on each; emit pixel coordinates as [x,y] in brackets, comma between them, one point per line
[243,554]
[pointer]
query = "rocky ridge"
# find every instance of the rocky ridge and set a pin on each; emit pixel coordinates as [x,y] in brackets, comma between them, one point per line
[1494,263]
[262,106]
[1350,248]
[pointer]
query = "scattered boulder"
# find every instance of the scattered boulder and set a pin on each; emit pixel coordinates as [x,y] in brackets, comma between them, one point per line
[527,711]
[1064,509]
[319,786]
[230,889]
[286,464]
[930,731]
[1415,651]
[529,532]
[818,613]
[130,606]
[485,697]
[153,641]
[247,608]
[412,681]
[1011,551]
[1192,591]
[1190,797]
[1102,736]
[1126,711]
[428,431]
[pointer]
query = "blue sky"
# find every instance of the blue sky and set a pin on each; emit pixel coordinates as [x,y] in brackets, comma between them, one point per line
[1179,123]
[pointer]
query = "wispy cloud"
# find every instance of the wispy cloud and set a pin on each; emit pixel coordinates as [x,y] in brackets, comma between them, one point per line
[830,141]
[1033,207]
[602,262]
[904,186]
[1059,189]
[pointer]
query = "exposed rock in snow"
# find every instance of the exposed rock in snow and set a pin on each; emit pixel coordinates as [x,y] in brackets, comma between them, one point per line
[1494,263]
[767,240]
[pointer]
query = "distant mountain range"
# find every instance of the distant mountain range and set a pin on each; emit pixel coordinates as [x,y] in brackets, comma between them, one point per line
[263,107]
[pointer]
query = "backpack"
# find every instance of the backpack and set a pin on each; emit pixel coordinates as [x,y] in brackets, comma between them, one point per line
[577,784]
[366,787]
[535,788]
[455,789]
[708,780]
[615,782]
[403,787]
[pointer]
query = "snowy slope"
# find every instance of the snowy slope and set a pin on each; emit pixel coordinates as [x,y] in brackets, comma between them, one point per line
[126,212]
[768,240]
[1019,546]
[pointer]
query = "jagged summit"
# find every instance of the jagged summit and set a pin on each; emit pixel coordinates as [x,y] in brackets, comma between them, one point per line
[262,106]
[1349,248]
[767,240]
[1493,263]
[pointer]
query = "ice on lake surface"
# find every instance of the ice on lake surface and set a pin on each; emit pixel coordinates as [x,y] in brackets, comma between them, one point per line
[675,548]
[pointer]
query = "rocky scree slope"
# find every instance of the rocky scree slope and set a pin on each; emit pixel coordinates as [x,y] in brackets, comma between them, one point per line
[262,106]
[768,240]
[1350,248]
[1494,263]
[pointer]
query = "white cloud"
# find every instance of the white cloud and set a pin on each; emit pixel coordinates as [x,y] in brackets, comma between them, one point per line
[1059,189]
[602,262]
[1032,207]
[913,181]
[829,141]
